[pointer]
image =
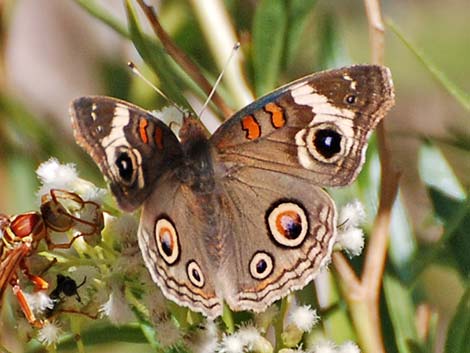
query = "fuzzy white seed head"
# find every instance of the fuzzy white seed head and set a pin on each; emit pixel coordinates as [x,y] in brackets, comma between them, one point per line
[116,308]
[351,240]
[304,317]
[49,333]
[324,347]
[231,344]
[348,347]
[54,175]
[351,215]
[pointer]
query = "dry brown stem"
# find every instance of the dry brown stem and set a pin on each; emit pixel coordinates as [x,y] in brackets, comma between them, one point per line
[363,294]
[182,59]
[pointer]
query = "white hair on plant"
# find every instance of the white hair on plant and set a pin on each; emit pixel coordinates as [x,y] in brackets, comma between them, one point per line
[49,333]
[304,317]
[351,215]
[351,240]
[348,347]
[54,175]
[39,301]
[324,347]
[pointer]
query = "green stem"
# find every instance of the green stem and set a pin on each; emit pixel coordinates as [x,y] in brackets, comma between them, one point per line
[279,323]
[227,318]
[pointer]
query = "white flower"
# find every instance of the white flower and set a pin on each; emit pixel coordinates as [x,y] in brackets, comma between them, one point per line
[351,215]
[304,317]
[54,175]
[167,333]
[49,333]
[348,347]
[231,344]
[116,308]
[351,240]
[39,301]
[247,338]
[324,347]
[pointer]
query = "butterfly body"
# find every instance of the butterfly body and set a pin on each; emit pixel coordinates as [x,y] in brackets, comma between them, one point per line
[240,216]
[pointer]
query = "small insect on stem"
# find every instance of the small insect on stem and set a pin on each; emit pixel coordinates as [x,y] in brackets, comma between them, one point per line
[21,234]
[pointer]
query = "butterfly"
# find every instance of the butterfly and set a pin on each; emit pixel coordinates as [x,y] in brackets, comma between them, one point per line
[239,216]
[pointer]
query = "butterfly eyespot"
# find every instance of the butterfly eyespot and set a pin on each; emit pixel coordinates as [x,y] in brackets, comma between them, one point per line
[261,265]
[350,99]
[287,223]
[195,274]
[167,241]
[125,167]
[327,142]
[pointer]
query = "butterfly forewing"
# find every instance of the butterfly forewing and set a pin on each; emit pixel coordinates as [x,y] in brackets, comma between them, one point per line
[131,146]
[315,128]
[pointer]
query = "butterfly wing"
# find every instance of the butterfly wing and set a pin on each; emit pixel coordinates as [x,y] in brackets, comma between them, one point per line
[282,233]
[315,128]
[131,146]
[179,239]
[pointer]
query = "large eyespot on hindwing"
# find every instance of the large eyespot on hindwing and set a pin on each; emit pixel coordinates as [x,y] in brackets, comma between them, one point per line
[195,275]
[127,163]
[261,265]
[287,223]
[167,240]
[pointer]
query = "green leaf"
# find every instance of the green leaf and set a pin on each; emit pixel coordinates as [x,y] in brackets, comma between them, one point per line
[101,14]
[297,16]
[401,311]
[456,215]
[462,97]
[458,334]
[269,27]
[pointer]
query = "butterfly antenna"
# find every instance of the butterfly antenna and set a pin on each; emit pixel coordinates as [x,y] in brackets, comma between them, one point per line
[209,97]
[137,72]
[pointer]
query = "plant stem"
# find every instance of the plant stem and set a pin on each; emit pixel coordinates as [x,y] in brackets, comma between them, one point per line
[363,294]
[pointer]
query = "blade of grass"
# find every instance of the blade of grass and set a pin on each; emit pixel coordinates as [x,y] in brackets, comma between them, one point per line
[462,97]
[269,28]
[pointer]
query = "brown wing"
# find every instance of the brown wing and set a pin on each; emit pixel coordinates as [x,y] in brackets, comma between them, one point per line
[315,128]
[131,146]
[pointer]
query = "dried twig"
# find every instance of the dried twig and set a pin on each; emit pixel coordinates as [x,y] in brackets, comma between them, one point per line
[182,59]
[363,294]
